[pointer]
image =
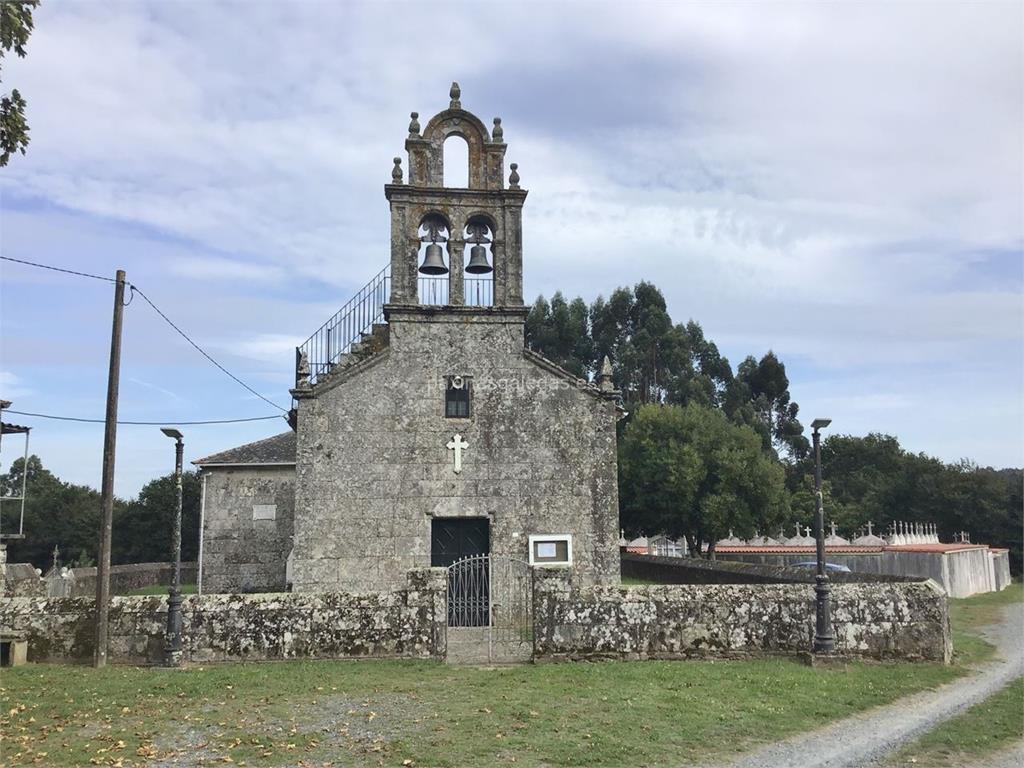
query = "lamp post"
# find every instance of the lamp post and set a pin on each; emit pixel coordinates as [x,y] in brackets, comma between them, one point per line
[172,643]
[824,640]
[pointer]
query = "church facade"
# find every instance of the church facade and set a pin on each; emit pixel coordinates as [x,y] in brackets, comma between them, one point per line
[424,429]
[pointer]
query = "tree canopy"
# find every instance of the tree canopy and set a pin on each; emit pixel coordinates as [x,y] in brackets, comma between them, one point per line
[67,515]
[15,28]
[688,471]
[657,361]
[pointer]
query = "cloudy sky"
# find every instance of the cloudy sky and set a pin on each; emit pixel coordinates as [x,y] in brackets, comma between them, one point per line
[841,183]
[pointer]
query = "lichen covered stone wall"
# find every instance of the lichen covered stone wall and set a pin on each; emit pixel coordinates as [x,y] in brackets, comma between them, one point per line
[406,623]
[880,620]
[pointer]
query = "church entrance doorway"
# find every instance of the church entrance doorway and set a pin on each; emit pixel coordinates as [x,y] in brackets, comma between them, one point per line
[454,538]
[462,545]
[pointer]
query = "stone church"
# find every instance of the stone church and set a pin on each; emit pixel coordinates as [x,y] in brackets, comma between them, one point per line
[423,429]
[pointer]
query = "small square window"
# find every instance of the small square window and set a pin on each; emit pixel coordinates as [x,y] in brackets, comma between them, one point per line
[457,397]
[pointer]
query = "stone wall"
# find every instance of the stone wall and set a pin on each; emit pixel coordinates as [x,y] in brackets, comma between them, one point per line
[881,621]
[962,572]
[248,525]
[407,623]
[81,582]
[20,580]
[696,570]
[1001,568]
[373,469]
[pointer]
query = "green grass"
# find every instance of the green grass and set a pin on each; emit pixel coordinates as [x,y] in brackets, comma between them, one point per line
[157,589]
[593,714]
[355,713]
[990,726]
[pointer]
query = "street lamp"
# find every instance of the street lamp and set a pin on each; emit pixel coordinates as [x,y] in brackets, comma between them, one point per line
[172,646]
[824,640]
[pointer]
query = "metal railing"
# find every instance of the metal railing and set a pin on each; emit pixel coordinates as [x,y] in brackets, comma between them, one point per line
[324,349]
[330,341]
[435,291]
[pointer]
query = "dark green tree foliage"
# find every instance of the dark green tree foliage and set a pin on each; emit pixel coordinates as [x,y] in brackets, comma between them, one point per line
[656,361]
[760,397]
[15,28]
[689,472]
[67,515]
[142,532]
[561,330]
[55,513]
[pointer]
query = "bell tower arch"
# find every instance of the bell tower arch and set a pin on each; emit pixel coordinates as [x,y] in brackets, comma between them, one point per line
[483,220]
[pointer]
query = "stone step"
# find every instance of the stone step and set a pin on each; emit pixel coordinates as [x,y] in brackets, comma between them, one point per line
[473,646]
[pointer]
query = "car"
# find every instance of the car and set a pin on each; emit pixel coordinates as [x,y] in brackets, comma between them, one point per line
[828,566]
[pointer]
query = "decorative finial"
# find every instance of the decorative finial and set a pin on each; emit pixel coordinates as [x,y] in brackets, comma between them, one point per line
[302,372]
[604,378]
[414,124]
[56,557]
[497,133]
[513,178]
[455,93]
[396,172]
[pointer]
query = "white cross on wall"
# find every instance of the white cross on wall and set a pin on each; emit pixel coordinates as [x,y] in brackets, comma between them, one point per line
[457,444]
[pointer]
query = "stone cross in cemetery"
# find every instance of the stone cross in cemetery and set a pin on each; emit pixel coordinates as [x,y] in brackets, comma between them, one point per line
[362,490]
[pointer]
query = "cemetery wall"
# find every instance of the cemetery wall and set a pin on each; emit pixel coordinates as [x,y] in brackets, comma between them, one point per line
[408,622]
[962,572]
[1001,568]
[696,570]
[880,620]
[127,578]
[20,580]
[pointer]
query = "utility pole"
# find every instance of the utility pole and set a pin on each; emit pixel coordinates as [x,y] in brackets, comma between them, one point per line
[107,489]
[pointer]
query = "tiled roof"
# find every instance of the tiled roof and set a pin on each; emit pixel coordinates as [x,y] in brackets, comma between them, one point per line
[847,549]
[782,549]
[279,449]
[934,547]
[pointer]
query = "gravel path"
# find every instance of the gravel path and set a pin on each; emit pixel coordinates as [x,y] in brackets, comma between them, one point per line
[866,740]
[1009,758]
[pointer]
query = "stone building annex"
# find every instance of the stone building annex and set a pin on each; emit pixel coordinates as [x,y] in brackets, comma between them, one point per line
[424,430]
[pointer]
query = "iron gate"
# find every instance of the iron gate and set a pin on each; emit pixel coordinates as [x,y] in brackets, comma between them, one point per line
[494,593]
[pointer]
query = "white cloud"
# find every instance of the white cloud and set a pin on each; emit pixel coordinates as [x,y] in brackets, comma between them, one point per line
[839,182]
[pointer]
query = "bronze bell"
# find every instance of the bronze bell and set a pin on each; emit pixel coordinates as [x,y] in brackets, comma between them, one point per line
[433,261]
[478,261]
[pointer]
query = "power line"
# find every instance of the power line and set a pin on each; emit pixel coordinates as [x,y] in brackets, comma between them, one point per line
[201,350]
[135,289]
[143,423]
[58,269]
